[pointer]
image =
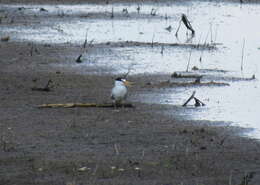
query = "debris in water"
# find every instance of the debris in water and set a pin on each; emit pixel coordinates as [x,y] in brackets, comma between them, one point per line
[78,60]
[112,13]
[138,9]
[179,75]
[197,101]
[169,28]
[187,23]
[5,39]
[113,167]
[153,12]
[84,168]
[195,68]
[125,11]
[21,8]
[46,88]
[43,10]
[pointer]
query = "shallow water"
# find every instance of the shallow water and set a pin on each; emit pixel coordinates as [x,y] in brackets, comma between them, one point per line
[225,23]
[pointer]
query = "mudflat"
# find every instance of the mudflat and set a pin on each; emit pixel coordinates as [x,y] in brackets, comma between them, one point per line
[104,145]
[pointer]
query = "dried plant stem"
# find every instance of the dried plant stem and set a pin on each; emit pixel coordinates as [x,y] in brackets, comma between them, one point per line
[112,13]
[242,57]
[216,33]
[86,39]
[205,42]
[128,70]
[162,49]
[153,39]
[188,65]
[116,149]
[211,34]
[190,98]
[95,170]
[187,23]
[230,178]
[197,101]
[176,34]
[199,40]
[31,50]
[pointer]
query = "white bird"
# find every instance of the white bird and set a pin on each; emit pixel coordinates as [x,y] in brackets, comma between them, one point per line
[119,91]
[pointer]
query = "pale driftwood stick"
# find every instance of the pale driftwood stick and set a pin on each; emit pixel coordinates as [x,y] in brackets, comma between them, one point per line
[190,98]
[71,105]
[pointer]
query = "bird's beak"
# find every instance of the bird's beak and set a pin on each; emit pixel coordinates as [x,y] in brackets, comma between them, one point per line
[128,83]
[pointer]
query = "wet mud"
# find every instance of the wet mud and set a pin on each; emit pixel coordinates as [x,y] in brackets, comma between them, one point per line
[102,145]
[96,145]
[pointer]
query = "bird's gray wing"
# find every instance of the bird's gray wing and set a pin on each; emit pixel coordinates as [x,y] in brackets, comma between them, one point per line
[112,97]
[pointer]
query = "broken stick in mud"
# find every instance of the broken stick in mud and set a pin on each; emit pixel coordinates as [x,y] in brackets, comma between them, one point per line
[46,88]
[197,101]
[187,23]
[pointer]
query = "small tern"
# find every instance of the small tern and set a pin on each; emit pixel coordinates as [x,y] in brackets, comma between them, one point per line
[119,91]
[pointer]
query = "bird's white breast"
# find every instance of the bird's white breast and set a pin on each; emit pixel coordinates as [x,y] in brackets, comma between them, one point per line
[119,91]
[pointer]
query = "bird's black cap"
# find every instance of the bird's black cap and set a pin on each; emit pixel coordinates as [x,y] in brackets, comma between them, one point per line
[119,79]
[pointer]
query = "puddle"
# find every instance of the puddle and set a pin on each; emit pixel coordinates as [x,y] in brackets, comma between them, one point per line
[225,23]
[237,103]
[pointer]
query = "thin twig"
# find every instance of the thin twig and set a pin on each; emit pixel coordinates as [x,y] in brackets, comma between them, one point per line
[198,102]
[46,88]
[86,39]
[206,37]
[116,149]
[211,34]
[112,13]
[216,33]
[162,49]
[188,65]
[190,98]
[242,57]
[31,51]
[187,23]
[176,34]
[138,9]
[78,60]
[153,39]
[230,177]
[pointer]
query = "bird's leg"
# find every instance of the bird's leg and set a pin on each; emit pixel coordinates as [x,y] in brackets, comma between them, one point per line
[120,103]
[115,104]
[123,104]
